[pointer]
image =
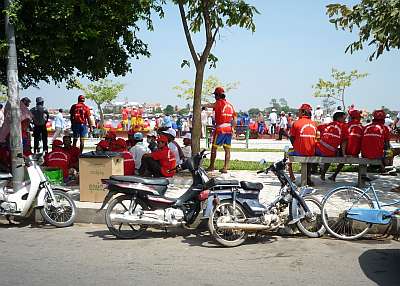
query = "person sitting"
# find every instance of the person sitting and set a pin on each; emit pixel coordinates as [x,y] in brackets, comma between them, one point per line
[151,141]
[138,150]
[129,164]
[334,137]
[111,137]
[187,145]
[160,163]
[58,158]
[376,137]
[103,146]
[72,151]
[173,145]
[355,131]
[303,138]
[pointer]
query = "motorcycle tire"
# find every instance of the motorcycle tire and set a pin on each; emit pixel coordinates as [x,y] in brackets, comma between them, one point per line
[319,229]
[131,232]
[63,216]
[226,237]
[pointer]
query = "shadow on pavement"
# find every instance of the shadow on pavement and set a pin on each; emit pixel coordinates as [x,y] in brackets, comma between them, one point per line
[381,266]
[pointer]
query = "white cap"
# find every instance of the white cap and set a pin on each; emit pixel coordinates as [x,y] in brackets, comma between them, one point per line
[152,133]
[318,106]
[387,115]
[187,136]
[273,109]
[170,131]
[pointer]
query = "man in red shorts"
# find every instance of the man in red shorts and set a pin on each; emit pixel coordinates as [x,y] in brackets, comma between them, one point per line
[225,119]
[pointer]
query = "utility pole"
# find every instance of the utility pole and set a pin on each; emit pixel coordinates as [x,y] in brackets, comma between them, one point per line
[13,99]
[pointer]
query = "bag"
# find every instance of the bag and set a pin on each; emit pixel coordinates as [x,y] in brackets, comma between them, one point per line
[79,114]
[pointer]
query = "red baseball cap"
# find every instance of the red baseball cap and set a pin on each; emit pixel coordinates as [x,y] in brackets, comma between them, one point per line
[162,138]
[305,106]
[57,142]
[219,90]
[379,114]
[103,144]
[356,114]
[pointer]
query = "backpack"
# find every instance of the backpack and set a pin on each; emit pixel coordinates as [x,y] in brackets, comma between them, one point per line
[79,114]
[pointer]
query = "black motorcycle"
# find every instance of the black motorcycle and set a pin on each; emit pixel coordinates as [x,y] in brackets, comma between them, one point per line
[237,211]
[139,202]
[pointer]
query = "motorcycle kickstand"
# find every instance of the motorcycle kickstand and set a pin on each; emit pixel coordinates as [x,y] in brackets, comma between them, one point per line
[8,217]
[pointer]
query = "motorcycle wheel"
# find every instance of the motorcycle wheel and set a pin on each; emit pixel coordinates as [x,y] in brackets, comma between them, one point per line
[120,205]
[312,227]
[62,216]
[225,212]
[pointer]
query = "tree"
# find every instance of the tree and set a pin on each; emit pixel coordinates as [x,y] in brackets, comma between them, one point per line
[60,39]
[210,16]
[169,109]
[253,112]
[102,91]
[377,22]
[328,104]
[186,88]
[336,89]
[158,110]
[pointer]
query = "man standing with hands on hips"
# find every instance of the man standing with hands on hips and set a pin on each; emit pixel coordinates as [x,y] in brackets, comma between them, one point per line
[225,121]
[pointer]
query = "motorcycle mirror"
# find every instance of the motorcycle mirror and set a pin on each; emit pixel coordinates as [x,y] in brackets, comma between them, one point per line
[263,161]
[286,149]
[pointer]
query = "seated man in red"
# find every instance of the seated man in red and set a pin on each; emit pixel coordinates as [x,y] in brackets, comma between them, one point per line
[72,151]
[130,142]
[129,164]
[58,158]
[110,137]
[160,163]
[103,145]
[302,137]
[333,136]
[376,137]
[355,130]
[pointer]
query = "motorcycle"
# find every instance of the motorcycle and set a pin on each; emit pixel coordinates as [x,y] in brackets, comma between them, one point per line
[238,212]
[56,207]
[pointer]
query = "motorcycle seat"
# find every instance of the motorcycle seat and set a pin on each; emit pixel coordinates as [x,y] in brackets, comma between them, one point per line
[215,182]
[251,186]
[146,181]
[5,176]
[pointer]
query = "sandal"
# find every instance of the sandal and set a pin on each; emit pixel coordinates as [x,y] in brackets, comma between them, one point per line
[223,171]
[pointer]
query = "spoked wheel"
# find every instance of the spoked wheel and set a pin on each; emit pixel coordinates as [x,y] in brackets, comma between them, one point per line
[61,214]
[312,226]
[334,213]
[225,213]
[119,206]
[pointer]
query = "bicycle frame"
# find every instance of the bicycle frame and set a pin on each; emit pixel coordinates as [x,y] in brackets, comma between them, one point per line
[375,201]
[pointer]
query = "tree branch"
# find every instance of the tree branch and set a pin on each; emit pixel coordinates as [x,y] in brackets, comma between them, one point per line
[187,34]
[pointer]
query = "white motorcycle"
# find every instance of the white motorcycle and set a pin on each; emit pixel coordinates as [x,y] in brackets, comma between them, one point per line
[56,207]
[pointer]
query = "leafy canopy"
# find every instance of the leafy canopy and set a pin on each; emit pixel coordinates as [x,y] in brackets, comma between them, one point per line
[60,39]
[377,21]
[185,89]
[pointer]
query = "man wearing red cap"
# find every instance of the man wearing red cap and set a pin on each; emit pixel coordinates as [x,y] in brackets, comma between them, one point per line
[119,145]
[225,117]
[72,151]
[80,120]
[160,163]
[111,137]
[302,136]
[355,131]
[376,137]
[58,158]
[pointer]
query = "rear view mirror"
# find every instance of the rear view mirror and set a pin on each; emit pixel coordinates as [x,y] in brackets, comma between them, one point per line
[286,149]
[263,161]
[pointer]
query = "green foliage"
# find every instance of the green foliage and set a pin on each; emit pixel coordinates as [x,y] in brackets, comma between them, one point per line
[3,93]
[183,111]
[335,89]
[377,22]
[102,91]
[60,39]
[253,112]
[186,88]
[158,110]
[169,109]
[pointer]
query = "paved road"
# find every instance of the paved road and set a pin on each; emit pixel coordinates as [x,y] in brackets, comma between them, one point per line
[88,255]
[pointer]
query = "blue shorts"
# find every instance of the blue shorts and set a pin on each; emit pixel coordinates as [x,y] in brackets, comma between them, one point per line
[79,130]
[222,139]
[294,153]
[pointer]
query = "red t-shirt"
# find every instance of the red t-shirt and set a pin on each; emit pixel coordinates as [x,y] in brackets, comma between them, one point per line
[355,137]
[129,163]
[304,132]
[167,161]
[73,153]
[134,113]
[58,158]
[124,114]
[373,141]
[332,136]
[224,113]
[80,113]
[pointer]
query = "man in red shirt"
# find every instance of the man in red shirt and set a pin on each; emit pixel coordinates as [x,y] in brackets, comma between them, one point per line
[103,145]
[58,158]
[334,138]
[80,120]
[129,164]
[160,163]
[111,137]
[302,136]
[225,119]
[355,134]
[72,151]
[376,137]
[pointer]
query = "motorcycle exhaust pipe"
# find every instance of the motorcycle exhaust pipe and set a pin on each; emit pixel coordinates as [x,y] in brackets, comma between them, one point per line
[132,219]
[242,226]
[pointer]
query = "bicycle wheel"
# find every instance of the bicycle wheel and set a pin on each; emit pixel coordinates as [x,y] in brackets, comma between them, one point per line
[335,207]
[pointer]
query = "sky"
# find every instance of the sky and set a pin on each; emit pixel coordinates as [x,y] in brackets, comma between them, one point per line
[294,45]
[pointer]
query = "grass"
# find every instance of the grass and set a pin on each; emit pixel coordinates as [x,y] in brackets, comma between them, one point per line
[256,150]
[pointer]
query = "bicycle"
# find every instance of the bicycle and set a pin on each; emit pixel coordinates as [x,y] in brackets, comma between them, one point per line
[349,212]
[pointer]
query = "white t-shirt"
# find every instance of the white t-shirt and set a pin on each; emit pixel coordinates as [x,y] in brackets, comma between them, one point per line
[204,117]
[273,117]
[137,152]
[388,121]
[283,122]
[175,150]
[187,151]
[318,114]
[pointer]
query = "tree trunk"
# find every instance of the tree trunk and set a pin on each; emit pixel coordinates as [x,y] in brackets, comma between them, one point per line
[13,98]
[101,116]
[196,123]
[343,103]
